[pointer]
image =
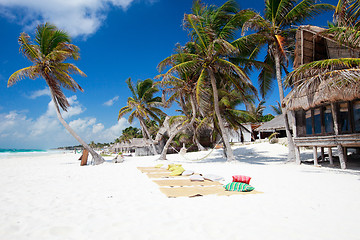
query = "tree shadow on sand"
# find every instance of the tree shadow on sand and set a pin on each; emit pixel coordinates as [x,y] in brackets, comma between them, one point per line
[246,155]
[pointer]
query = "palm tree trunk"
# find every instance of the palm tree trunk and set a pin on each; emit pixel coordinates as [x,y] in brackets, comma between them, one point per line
[193,107]
[97,159]
[173,134]
[224,133]
[196,140]
[291,145]
[148,136]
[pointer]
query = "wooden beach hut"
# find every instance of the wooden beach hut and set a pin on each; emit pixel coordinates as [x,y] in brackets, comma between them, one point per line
[275,125]
[327,113]
[138,146]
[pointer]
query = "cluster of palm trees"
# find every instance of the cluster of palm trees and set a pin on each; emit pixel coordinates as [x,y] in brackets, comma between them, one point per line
[208,76]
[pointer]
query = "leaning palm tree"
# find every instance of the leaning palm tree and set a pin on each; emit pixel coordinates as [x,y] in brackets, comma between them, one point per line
[212,29]
[143,106]
[180,86]
[52,48]
[275,32]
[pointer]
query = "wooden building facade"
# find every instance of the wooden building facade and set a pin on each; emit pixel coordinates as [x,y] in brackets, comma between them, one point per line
[328,117]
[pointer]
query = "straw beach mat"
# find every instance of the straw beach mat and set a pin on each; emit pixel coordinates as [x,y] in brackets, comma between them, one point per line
[180,186]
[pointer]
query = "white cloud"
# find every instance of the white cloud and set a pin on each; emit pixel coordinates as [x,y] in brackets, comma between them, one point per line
[17,130]
[77,17]
[39,93]
[111,101]
[98,127]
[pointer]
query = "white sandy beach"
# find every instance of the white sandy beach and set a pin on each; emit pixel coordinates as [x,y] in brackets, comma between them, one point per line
[52,197]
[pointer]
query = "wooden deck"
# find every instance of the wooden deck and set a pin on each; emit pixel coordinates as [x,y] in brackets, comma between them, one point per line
[345,140]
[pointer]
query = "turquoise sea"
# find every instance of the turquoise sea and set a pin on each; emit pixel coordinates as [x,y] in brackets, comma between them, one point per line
[12,152]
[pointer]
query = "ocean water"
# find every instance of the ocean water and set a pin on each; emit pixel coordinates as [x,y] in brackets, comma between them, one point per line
[9,150]
[9,153]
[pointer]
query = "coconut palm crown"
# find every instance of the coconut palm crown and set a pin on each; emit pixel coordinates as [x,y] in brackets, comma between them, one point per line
[52,47]
[143,105]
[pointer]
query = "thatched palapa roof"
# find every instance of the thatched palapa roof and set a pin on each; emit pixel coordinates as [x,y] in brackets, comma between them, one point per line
[133,143]
[311,45]
[315,84]
[276,124]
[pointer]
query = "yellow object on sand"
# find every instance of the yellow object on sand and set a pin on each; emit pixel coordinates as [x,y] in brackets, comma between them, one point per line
[177,171]
[172,167]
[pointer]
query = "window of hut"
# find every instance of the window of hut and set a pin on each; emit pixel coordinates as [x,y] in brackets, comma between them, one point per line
[356,107]
[317,121]
[328,120]
[308,122]
[344,124]
[300,122]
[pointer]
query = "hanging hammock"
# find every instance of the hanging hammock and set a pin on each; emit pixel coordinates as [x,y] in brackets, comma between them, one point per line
[198,159]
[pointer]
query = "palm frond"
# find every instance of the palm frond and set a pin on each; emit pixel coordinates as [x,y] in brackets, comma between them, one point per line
[302,11]
[266,76]
[131,87]
[123,111]
[324,69]
[30,72]
[29,50]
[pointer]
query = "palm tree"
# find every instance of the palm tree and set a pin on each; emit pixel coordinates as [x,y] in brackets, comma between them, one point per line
[52,48]
[275,31]
[129,133]
[277,108]
[181,86]
[256,112]
[211,29]
[143,106]
[346,25]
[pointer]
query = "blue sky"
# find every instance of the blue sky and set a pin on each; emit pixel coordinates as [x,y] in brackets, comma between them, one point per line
[118,39]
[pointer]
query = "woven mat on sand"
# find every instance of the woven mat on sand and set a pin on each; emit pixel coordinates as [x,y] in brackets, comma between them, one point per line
[195,191]
[178,186]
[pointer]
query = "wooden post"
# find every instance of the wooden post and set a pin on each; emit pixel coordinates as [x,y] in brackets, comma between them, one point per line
[345,154]
[84,157]
[335,119]
[315,156]
[322,154]
[330,156]
[341,156]
[297,155]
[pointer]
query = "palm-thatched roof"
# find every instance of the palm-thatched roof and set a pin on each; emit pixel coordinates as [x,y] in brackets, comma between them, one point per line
[324,93]
[133,143]
[316,83]
[312,45]
[276,124]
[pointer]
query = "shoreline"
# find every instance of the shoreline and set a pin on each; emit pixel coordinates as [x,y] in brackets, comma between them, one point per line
[52,197]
